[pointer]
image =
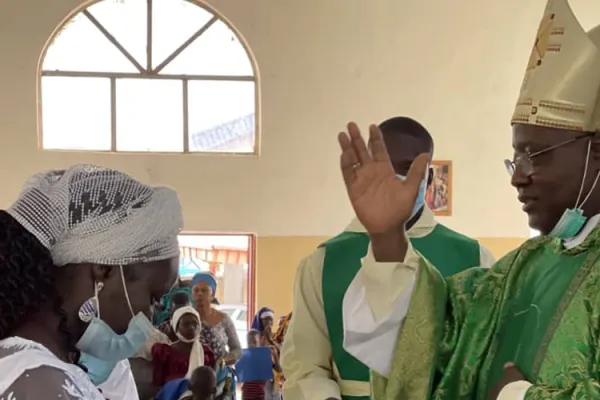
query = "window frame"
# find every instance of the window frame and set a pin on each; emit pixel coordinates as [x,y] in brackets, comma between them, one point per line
[149,73]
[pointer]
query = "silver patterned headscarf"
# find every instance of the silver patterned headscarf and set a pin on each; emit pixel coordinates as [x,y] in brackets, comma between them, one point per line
[93,214]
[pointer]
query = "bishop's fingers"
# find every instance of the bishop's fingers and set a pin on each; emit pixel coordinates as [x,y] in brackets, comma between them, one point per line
[418,169]
[348,158]
[358,142]
[377,145]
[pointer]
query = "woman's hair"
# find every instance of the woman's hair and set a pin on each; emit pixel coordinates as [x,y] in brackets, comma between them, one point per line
[28,281]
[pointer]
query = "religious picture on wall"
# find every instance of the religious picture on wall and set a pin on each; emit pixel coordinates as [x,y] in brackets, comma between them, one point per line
[439,193]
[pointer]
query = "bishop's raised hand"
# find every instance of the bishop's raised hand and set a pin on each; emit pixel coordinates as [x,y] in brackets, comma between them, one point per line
[381,201]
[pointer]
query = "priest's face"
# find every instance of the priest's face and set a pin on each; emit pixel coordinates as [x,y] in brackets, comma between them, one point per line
[548,183]
[403,149]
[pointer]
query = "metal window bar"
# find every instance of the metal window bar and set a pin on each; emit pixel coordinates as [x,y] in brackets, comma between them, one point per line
[185,45]
[149,32]
[114,41]
[186,116]
[147,75]
[113,114]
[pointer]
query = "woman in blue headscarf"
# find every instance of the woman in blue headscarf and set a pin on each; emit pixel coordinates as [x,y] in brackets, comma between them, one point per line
[218,330]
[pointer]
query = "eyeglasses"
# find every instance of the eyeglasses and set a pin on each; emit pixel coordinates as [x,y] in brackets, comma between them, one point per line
[525,163]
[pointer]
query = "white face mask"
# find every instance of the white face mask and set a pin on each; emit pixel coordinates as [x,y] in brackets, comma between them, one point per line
[186,340]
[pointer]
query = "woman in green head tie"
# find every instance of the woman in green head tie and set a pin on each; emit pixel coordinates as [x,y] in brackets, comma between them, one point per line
[170,302]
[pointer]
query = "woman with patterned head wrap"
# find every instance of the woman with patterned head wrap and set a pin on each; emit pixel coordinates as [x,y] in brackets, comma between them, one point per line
[218,330]
[84,254]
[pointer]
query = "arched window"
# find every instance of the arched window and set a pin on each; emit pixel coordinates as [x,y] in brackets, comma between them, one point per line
[148,76]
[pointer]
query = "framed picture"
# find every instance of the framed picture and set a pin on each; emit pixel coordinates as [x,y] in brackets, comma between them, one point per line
[439,193]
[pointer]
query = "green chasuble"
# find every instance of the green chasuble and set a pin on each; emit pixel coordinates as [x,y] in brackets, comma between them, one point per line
[450,250]
[538,307]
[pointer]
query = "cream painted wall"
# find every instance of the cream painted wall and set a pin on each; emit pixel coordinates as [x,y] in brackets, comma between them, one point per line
[455,68]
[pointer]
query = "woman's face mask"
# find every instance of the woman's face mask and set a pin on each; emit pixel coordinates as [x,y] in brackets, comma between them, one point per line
[102,348]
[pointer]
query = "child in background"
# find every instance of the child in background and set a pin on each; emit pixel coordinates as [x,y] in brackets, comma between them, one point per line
[256,390]
[253,390]
[203,384]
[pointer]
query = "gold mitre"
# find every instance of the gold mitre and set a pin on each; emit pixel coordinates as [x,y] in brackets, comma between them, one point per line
[562,80]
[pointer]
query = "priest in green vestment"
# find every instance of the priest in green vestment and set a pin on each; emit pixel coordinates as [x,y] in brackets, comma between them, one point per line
[314,362]
[529,327]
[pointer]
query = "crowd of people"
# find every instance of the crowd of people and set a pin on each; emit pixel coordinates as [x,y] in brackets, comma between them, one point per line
[398,306]
[192,334]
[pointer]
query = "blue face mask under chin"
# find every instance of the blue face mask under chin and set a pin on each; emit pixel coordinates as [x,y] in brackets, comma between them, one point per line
[102,348]
[100,341]
[420,200]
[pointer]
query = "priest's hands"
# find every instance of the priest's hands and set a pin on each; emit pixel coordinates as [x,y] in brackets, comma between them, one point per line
[511,374]
[381,201]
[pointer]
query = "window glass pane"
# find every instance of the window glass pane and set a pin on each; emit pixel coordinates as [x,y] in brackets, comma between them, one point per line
[149,115]
[76,113]
[174,22]
[222,116]
[82,47]
[126,21]
[217,51]
[243,315]
[228,311]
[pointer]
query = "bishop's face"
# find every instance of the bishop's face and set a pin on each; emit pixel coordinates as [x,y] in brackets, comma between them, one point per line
[549,183]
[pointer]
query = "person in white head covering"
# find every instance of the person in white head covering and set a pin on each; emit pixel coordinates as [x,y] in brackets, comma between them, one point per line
[179,359]
[85,252]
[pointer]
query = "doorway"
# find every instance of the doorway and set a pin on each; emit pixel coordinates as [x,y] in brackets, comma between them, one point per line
[230,258]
